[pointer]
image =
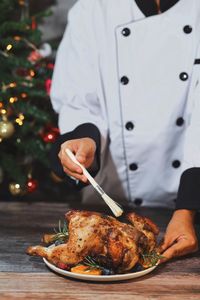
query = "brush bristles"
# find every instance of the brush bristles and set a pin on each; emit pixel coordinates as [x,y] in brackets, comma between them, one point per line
[116,209]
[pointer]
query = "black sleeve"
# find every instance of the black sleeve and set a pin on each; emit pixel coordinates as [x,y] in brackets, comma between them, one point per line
[84,130]
[189,190]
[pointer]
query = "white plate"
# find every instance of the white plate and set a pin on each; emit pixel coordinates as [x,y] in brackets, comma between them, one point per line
[99,277]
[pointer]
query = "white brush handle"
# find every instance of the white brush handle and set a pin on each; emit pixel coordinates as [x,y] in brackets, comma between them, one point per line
[117,211]
[85,172]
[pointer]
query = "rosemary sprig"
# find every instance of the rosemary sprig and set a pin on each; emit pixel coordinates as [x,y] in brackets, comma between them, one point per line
[91,263]
[61,234]
[151,258]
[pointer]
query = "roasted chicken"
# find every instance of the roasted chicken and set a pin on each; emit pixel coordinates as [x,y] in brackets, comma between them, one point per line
[115,244]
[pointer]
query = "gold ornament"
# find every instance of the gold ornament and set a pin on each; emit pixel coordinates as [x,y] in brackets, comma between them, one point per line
[16,189]
[6,129]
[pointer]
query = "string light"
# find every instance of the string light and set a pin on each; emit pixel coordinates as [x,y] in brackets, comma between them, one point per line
[3,111]
[50,136]
[9,47]
[12,84]
[21,116]
[19,122]
[13,99]
[17,38]
[32,73]
[20,119]
[23,95]
[1,104]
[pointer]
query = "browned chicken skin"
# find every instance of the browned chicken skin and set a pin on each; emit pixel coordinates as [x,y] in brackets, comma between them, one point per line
[115,244]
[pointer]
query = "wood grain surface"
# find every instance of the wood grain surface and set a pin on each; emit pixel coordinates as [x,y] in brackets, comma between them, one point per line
[24,277]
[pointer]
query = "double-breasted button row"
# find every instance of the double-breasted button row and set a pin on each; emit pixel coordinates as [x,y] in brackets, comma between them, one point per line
[127,32]
[183,76]
[175,164]
[138,201]
[130,126]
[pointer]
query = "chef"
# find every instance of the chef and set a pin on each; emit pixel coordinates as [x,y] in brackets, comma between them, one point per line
[126,88]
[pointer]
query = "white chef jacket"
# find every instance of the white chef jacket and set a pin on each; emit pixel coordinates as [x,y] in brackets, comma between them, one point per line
[137,79]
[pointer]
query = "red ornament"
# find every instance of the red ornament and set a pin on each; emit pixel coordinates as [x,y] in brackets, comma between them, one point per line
[48,86]
[34,56]
[50,135]
[31,185]
[50,66]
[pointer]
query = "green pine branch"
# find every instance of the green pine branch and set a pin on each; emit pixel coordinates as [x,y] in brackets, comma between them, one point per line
[7,8]
[11,27]
[11,167]
[35,148]
[27,139]
[30,110]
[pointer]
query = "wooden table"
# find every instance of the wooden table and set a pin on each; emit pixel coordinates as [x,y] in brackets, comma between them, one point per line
[24,277]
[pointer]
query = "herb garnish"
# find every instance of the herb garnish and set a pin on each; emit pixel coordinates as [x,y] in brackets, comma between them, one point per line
[93,264]
[62,233]
[151,258]
[90,262]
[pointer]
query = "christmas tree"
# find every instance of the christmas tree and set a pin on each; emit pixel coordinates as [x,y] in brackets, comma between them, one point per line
[27,121]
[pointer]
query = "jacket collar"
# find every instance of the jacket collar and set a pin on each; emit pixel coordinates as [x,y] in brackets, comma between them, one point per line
[149,7]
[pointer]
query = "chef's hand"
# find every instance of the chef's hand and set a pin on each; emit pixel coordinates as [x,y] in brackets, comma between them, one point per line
[84,150]
[180,238]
